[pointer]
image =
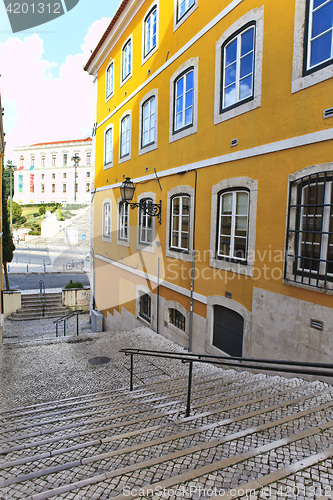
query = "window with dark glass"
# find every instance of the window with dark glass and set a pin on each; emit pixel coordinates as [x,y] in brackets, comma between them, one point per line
[177,319]
[232,237]
[319,34]
[145,307]
[238,68]
[180,222]
[310,228]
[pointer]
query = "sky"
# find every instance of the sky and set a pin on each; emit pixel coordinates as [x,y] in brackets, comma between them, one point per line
[45,93]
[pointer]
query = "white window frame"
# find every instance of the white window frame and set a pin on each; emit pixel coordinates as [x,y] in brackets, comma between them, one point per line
[107,144]
[172,304]
[106,220]
[109,81]
[178,21]
[234,193]
[292,224]
[144,290]
[153,145]
[308,47]
[170,251]
[235,184]
[124,157]
[146,247]
[300,80]
[185,131]
[238,38]
[126,72]
[122,217]
[146,55]
[255,16]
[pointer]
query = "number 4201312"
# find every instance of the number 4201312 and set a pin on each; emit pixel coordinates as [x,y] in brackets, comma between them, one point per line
[32,8]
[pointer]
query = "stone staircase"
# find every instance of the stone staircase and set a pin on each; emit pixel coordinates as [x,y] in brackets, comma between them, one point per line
[32,309]
[246,432]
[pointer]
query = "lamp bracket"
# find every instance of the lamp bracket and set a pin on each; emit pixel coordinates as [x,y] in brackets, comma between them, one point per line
[152,209]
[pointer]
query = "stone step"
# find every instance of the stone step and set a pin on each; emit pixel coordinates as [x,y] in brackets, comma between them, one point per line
[162,434]
[68,433]
[151,406]
[130,466]
[243,428]
[41,415]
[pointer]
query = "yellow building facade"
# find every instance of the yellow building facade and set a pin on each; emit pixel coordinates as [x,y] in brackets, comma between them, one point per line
[223,113]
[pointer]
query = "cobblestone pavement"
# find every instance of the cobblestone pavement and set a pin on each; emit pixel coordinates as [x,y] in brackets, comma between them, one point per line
[70,429]
[37,367]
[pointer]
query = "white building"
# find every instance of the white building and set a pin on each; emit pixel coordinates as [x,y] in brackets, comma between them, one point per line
[45,172]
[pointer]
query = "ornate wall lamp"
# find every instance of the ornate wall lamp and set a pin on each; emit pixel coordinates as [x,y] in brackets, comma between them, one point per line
[127,192]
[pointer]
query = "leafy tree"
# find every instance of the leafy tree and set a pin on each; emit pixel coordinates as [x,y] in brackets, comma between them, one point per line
[8,246]
[42,210]
[6,180]
[16,211]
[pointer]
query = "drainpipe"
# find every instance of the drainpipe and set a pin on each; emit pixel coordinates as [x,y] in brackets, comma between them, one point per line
[193,269]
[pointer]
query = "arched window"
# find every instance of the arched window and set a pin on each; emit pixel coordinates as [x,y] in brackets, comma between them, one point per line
[108,146]
[150,28]
[145,307]
[177,319]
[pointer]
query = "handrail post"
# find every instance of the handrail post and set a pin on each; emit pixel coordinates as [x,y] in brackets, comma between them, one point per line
[57,329]
[189,388]
[64,328]
[131,377]
[77,324]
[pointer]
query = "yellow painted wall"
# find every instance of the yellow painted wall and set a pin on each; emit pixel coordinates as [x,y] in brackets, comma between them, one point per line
[282,115]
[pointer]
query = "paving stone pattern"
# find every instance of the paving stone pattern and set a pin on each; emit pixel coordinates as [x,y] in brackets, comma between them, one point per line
[72,430]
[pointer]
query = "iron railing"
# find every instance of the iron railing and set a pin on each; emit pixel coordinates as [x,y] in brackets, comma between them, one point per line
[297,367]
[66,318]
[42,296]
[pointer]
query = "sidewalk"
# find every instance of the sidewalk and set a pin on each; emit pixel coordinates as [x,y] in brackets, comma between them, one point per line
[50,369]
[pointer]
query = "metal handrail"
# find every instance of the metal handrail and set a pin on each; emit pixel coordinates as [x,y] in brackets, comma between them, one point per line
[65,318]
[42,295]
[325,369]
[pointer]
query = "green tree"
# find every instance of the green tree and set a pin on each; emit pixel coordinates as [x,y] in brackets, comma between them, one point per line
[8,246]
[42,210]
[16,211]
[6,180]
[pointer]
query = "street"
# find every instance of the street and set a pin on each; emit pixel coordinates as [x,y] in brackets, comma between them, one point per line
[31,281]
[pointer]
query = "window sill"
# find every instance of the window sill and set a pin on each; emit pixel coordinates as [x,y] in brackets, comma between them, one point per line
[309,288]
[234,267]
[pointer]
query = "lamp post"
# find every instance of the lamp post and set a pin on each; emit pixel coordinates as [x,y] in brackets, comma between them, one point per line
[12,168]
[76,160]
[127,192]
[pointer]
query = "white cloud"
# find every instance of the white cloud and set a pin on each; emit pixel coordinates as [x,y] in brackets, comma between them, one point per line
[38,106]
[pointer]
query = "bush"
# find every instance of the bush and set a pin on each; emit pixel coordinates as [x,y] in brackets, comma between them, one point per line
[42,210]
[36,214]
[22,219]
[74,284]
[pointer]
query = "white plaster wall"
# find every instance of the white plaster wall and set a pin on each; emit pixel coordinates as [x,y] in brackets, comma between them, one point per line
[281,328]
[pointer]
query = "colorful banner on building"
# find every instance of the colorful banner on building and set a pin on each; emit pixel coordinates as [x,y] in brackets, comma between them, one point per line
[32,187]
